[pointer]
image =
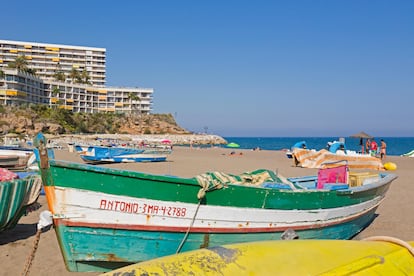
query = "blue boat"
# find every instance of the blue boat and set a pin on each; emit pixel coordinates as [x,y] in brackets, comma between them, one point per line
[101,154]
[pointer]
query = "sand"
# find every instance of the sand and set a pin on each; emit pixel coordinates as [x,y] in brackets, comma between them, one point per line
[394,214]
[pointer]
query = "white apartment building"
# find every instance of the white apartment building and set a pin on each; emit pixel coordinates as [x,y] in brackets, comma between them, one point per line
[46,59]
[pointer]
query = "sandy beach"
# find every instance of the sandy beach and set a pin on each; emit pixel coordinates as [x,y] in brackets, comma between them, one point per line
[394,214]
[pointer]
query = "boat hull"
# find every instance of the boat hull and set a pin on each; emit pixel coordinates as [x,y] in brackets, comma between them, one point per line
[99,154]
[98,248]
[131,158]
[101,227]
[297,257]
[14,158]
[15,196]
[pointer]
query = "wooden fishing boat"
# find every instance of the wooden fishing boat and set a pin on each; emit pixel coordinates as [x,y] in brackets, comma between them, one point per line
[15,158]
[102,154]
[127,158]
[107,218]
[374,256]
[18,191]
[9,161]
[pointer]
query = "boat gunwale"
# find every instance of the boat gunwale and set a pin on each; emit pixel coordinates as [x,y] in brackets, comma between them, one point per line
[385,179]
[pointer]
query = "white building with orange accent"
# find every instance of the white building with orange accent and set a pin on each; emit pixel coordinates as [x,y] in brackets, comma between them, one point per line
[42,88]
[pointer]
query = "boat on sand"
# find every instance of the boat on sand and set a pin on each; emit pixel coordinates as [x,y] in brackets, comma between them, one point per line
[372,256]
[16,158]
[103,154]
[107,218]
[18,191]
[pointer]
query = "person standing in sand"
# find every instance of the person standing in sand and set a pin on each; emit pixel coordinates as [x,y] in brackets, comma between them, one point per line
[367,146]
[383,149]
[374,147]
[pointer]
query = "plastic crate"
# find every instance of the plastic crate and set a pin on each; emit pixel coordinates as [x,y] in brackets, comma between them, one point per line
[361,178]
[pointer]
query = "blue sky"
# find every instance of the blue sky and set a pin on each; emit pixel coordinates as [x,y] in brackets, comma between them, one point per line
[247,68]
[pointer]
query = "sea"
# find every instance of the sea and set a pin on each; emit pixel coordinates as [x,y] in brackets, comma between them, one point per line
[395,145]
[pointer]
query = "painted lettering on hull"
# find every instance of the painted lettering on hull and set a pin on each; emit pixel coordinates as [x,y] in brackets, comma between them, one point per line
[143,208]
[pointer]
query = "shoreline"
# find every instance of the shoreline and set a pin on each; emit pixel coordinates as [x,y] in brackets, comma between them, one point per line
[398,147]
[394,216]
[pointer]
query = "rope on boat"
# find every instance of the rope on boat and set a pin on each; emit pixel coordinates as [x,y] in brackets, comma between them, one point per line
[189,228]
[32,254]
[200,195]
[44,221]
[392,240]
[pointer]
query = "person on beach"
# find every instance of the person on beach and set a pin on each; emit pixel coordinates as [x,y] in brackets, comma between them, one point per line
[374,147]
[383,148]
[367,146]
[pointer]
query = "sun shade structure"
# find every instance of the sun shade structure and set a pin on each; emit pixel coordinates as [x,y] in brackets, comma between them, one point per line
[361,135]
[233,145]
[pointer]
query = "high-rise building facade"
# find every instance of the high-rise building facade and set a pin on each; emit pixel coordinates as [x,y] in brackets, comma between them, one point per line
[47,59]
[84,91]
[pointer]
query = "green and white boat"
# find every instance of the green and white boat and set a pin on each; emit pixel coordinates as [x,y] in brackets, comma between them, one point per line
[17,194]
[107,218]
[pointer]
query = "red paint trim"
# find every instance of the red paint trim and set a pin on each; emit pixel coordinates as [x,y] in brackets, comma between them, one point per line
[183,229]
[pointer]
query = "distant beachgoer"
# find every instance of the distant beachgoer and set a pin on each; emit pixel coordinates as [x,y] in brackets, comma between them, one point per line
[383,148]
[367,145]
[374,147]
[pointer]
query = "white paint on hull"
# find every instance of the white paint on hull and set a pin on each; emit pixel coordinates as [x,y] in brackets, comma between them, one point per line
[80,206]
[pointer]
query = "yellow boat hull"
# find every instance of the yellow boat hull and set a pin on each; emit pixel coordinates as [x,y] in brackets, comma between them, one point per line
[293,257]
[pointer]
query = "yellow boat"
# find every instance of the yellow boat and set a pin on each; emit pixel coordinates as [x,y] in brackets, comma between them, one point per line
[372,256]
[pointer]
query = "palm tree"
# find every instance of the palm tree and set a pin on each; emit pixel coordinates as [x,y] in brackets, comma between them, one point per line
[31,71]
[2,83]
[133,97]
[55,91]
[85,76]
[55,94]
[20,63]
[74,75]
[59,75]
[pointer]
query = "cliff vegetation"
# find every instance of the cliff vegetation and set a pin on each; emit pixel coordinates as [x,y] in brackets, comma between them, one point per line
[30,119]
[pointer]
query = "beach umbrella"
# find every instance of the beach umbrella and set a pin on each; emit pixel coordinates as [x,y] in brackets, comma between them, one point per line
[233,145]
[361,135]
[166,141]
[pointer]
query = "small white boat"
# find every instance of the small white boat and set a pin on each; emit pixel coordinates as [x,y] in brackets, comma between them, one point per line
[16,158]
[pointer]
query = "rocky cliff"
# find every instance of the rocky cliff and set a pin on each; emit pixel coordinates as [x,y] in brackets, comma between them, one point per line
[32,119]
